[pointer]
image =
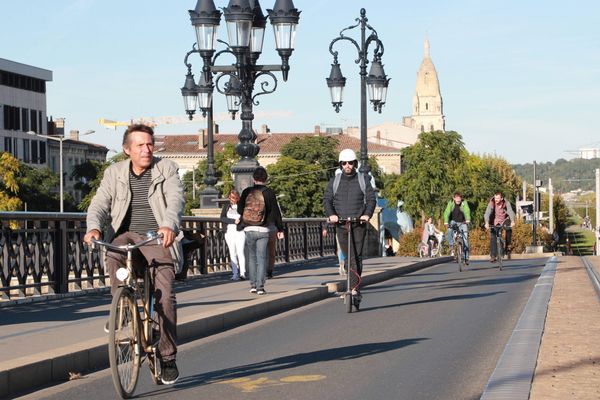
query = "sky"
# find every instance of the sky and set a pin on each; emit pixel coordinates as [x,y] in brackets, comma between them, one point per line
[519,79]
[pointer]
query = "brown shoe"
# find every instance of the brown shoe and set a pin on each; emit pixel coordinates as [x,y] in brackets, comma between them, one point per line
[493,259]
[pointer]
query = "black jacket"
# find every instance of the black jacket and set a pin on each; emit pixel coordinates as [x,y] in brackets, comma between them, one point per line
[224,211]
[349,200]
[272,211]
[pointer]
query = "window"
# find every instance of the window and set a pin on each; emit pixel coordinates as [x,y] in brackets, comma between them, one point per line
[40,124]
[34,152]
[22,82]
[25,119]
[12,118]
[8,144]
[26,151]
[426,106]
[422,128]
[432,129]
[15,149]
[34,126]
[42,152]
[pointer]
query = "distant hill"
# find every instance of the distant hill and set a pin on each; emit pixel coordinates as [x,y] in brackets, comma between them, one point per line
[566,175]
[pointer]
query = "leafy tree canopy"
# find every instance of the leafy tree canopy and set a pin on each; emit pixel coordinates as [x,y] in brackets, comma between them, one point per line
[9,185]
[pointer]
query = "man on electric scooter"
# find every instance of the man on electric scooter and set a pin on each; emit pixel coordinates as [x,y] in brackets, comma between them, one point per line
[350,195]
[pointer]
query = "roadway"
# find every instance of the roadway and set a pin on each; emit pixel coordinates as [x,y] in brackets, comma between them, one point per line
[433,334]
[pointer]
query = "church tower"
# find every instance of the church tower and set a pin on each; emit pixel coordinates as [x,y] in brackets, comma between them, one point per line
[427,105]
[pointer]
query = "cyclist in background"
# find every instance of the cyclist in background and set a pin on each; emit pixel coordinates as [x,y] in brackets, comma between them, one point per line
[497,212]
[429,236]
[457,210]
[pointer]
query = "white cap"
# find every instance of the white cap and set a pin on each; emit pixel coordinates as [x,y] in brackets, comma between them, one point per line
[347,155]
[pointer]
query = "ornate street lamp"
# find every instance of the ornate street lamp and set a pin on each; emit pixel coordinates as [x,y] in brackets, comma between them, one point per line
[245,23]
[376,80]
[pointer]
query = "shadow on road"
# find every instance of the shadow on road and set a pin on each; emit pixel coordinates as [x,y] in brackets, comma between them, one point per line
[288,362]
[434,300]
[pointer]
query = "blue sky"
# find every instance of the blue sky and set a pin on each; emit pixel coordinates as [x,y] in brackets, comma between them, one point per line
[518,79]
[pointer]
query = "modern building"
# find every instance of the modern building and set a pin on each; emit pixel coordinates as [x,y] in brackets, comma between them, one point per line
[75,152]
[23,109]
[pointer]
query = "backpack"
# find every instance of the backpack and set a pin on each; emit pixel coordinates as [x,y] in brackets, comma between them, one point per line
[254,209]
[361,182]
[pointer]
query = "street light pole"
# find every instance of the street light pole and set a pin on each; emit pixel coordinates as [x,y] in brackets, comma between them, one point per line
[245,26]
[60,140]
[376,80]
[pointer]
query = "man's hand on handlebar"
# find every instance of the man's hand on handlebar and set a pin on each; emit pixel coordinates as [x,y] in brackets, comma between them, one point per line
[93,234]
[333,219]
[364,218]
[168,236]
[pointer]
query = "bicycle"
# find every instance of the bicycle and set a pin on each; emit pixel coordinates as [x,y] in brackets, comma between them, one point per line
[497,230]
[459,243]
[430,249]
[350,299]
[133,325]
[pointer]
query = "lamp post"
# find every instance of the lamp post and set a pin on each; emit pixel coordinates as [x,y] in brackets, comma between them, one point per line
[376,80]
[245,24]
[60,140]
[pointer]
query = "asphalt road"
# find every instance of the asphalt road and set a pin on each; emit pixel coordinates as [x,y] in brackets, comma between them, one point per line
[434,334]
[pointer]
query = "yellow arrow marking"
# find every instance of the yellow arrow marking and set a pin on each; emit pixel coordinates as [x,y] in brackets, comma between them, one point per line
[303,378]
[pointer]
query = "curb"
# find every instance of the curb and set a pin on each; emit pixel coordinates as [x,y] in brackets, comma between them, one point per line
[514,371]
[21,375]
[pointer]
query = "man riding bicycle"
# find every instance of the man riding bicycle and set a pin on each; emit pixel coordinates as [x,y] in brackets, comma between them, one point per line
[498,211]
[458,211]
[352,197]
[137,195]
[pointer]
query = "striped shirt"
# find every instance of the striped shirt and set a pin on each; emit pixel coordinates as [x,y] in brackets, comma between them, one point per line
[140,218]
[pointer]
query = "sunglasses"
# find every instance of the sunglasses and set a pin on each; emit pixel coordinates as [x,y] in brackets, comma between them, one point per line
[346,162]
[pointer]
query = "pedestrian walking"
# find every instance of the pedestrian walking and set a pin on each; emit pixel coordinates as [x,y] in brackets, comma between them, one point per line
[259,211]
[234,238]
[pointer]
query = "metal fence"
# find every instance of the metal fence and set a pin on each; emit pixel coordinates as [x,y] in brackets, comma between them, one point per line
[44,253]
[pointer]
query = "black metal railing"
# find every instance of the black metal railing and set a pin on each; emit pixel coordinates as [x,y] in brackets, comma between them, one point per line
[44,253]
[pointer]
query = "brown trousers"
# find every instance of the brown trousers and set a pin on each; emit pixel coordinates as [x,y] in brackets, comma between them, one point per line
[162,272]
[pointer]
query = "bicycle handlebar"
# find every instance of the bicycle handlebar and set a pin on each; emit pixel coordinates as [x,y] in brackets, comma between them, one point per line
[150,236]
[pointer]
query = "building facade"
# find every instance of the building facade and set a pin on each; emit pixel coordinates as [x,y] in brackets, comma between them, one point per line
[188,150]
[22,110]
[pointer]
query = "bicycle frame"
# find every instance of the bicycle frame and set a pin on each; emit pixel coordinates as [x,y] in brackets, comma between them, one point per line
[131,281]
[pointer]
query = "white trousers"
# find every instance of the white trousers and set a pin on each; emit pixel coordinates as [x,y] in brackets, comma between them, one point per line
[235,242]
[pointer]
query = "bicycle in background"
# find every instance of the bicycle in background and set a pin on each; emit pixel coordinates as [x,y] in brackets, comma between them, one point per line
[133,326]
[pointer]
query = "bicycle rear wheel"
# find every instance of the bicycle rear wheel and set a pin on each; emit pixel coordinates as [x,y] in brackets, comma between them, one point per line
[124,351]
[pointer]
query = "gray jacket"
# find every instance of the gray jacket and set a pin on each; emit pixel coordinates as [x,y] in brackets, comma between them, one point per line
[109,206]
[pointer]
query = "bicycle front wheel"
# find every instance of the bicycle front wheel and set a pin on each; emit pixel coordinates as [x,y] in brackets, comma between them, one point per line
[499,252]
[460,258]
[124,350]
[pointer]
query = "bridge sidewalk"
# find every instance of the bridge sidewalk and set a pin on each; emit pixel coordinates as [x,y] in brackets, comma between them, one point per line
[568,364]
[42,342]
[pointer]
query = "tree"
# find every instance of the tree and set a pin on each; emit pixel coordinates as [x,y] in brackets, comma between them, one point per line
[223,162]
[95,182]
[299,187]
[435,168]
[9,186]
[38,189]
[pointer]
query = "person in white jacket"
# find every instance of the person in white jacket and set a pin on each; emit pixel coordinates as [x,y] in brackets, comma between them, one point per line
[235,238]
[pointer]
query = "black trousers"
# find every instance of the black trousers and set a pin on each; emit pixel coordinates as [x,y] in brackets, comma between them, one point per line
[493,237]
[354,259]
